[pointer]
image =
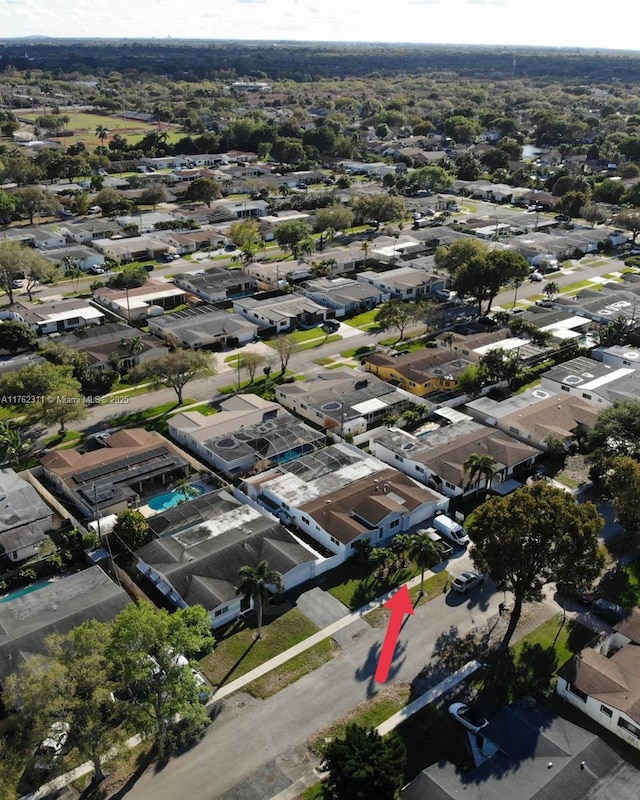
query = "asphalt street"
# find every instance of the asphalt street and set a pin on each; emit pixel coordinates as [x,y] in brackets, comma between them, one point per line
[250,743]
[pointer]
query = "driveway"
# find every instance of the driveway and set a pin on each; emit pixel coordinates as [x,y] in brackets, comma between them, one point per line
[322,608]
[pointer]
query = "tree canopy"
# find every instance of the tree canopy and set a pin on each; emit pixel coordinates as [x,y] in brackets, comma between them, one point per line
[536,535]
[364,766]
[175,369]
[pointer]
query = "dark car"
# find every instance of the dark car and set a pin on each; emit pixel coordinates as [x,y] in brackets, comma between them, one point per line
[562,218]
[149,267]
[610,612]
[487,321]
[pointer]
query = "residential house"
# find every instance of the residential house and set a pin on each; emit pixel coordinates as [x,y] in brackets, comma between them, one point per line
[603,680]
[346,402]
[283,313]
[54,316]
[339,496]
[133,248]
[246,209]
[437,457]
[403,283]
[344,296]
[530,753]
[617,356]
[204,326]
[102,345]
[217,284]
[203,544]
[245,432]
[25,519]
[86,231]
[562,324]
[600,384]
[149,300]
[85,257]
[420,372]
[43,237]
[537,417]
[476,342]
[390,249]
[269,223]
[604,306]
[270,275]
[56,608]
[135,465]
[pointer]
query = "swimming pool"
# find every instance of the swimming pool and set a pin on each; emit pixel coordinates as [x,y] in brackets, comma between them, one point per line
[162,502]
[32,587]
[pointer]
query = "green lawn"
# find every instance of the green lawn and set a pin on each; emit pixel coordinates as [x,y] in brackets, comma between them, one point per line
[56,439]
[335,337]
[293,670]
[363,321]
[357,351]
[145,414]
[433,587]
[354,585]
[389,700]
[565,639]
[239,651]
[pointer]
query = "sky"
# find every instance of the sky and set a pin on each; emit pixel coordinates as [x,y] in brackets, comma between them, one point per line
[555,23]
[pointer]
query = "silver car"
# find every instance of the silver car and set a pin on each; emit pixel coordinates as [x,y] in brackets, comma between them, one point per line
[467,581]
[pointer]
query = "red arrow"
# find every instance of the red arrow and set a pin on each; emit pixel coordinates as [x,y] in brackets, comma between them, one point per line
[399,604]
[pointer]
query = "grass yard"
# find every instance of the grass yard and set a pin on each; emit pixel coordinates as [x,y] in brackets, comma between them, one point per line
[296,668]
[364,321]
[433,587]
[354,585]
[335,337]
[389,700]
[69,437]
[564,639]
[145,414]
[323,362]
[239,651]
[355,352]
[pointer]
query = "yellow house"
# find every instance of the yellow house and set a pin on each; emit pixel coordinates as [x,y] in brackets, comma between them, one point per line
[420,373]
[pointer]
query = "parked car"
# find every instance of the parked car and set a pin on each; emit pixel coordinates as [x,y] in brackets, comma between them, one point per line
[51,747]
[204,691]
[465,716]
[467,581]
[562,218]
[18,283]
[149,267]
[610,612]
[96,270]
[487,321]
[443,294]
[536,277]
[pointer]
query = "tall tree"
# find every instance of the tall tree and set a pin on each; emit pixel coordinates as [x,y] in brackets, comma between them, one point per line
[537,535]
[254,585]
[250,361]
[204,190]
[13,447]
[33,200]
[290,234]
[623,481]
[285,348]
[175,369]
[629,220]
[17,260]
[617,429]
[17,336]
[364,766]
[423,550]
[143,651]
[131,529]
[70,683]
[398,314]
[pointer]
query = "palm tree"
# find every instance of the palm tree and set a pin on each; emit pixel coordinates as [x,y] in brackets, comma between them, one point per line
[517,283]
[449,338]
[551,290]
[365,247]
[422,550]
[254,585]
[182,485]
[135,345]
[482,466]
[12,448]
[102,133]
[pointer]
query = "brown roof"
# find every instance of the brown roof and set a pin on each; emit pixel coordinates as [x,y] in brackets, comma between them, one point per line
[630,626]
[365,503]
[447,460]
[66,463]
[556,415]
[614,681]
[421,366]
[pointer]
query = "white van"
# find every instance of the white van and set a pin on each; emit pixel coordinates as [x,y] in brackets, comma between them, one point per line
[451,530]
[443,548]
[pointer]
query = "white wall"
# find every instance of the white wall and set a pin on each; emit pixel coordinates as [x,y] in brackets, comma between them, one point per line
[592,708]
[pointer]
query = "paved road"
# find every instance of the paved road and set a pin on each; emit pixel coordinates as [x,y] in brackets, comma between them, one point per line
[246,746]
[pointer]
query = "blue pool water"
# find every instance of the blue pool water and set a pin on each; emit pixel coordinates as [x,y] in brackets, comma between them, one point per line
[32,587]
[162,502]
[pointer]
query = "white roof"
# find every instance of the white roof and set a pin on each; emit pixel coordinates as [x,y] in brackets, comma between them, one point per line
[503,344]
[86,313]
[567,324]
[369,406]
[605,379]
